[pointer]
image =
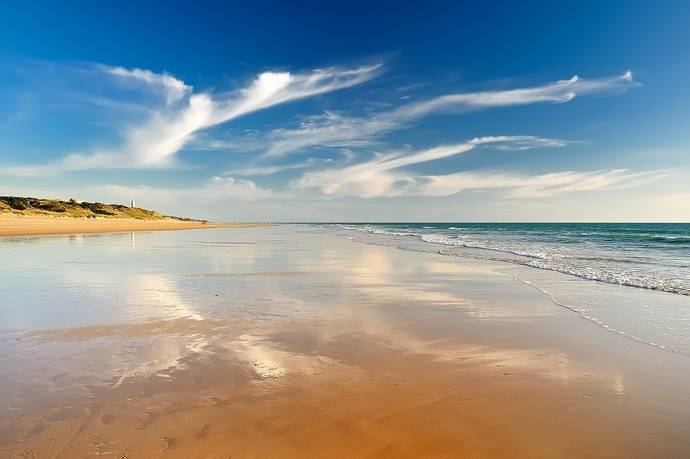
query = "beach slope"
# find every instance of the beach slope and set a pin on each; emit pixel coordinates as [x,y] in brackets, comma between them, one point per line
[21,216]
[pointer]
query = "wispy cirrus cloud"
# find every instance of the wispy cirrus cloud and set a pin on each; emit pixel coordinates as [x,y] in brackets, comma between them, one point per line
[387,175]
[173,88]
[525,186]
[336,130]
[382,176]
[155,141]
[270,170]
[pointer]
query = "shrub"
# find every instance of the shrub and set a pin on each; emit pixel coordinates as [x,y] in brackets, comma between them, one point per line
[17,203]
[51,206]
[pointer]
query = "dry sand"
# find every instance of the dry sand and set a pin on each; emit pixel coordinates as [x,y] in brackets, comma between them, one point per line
[34,225]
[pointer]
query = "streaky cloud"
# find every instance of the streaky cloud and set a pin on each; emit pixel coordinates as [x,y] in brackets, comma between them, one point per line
[381,177]
[154,142]
[165,134]
[335,130]
[173,88]
[270,170]
[386,175]
[524,186]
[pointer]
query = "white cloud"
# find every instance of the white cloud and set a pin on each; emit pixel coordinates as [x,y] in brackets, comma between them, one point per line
[270,170]
[525,186]
[381,177]
[183,114]
[334,130]
[154,142]
[385,176]
[266,170]
[165,134]
[557,92]
[330,130]
[173,88]
[234,189]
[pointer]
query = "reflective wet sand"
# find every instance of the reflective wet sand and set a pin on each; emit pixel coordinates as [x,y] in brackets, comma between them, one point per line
[293,342]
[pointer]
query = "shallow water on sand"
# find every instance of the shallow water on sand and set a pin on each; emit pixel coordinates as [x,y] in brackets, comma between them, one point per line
[589,277]
[645,255]
[295,342]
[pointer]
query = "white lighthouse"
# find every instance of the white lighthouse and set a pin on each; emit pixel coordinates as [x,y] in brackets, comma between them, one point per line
[132,204]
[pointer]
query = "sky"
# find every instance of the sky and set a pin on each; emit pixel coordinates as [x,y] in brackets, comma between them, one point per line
[351,111]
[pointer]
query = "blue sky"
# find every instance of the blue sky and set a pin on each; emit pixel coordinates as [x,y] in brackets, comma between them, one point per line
[359,111]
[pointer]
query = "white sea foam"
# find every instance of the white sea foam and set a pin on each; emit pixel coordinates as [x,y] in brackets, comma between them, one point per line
[568,253]
[606,254]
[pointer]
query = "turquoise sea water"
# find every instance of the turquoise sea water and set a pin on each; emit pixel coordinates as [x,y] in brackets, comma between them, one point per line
[653,256]
[632,279]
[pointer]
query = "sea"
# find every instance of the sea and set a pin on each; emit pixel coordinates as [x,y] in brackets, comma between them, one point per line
[630,278]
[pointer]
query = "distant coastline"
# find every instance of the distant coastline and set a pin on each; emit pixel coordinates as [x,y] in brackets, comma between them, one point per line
[21,216]
[21,206]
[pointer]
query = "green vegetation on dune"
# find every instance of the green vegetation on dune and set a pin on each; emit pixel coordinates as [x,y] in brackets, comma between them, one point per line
[52,207]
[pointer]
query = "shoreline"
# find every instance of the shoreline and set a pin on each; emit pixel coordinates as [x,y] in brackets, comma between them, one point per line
[288,342]
[13,225]
[653,314]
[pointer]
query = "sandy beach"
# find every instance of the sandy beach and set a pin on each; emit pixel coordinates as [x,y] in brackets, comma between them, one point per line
[467,230]
[36,225]
[287,341]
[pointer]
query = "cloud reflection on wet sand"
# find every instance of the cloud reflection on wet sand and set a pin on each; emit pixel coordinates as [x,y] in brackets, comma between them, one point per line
[259,347]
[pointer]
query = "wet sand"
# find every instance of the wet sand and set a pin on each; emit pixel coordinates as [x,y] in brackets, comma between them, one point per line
[290,342]
[34,225]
